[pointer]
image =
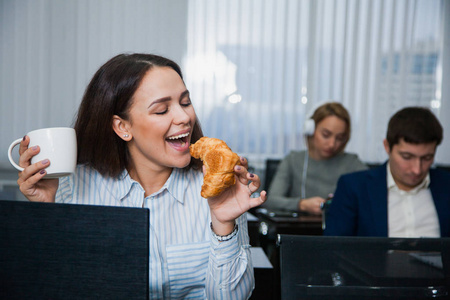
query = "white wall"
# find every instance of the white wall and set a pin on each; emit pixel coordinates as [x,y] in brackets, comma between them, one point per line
[49,50]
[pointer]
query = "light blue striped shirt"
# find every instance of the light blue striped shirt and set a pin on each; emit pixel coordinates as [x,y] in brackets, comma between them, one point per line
[186,261]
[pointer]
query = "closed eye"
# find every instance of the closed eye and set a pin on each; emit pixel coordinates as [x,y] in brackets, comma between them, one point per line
[162,112]
[326,133]
[428,157]
[340,138]
[185,100]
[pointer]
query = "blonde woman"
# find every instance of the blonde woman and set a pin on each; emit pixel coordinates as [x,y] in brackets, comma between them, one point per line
[304,179]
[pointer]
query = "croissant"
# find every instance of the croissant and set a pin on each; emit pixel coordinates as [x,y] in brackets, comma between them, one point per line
[219,162]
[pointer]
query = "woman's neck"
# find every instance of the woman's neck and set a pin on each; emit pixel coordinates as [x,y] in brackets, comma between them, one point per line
[311,151]
[150,179]
[313,155]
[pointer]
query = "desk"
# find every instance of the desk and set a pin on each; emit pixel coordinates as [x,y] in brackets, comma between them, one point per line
[273,223]
[270,224]
[292,223]
[264,226]
[264,229]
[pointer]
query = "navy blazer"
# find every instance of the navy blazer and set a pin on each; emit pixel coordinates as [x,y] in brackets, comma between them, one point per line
[360,205]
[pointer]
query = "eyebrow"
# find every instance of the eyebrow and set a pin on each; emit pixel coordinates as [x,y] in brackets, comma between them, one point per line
[331,132]
[412,154]
[165,99]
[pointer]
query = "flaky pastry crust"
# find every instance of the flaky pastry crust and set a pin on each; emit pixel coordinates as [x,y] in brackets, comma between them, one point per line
[219,162]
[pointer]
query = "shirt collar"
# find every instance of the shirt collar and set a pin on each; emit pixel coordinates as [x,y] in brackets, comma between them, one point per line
[176,184]
[393,186]
[124,184]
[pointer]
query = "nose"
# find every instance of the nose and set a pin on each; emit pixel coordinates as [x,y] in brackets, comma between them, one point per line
[416,167]
[180,116]
[332,142]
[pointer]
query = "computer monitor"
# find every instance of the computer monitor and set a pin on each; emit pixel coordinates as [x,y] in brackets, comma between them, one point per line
[67,251]
[323,267]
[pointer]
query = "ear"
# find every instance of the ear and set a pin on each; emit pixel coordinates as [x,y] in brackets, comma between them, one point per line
[121,128]
[386,146]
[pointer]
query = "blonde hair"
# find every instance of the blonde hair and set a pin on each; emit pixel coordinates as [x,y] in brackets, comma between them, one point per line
[334,109]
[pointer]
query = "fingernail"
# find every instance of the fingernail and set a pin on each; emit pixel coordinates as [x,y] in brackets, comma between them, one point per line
[42,172]
[24,138]
[252,175]
[45,162]
[34,148]
[238,168]
[243,158]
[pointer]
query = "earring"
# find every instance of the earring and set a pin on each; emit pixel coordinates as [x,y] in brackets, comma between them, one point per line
[125,135]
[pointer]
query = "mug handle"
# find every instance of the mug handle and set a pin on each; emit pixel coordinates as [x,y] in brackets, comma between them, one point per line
[11,160]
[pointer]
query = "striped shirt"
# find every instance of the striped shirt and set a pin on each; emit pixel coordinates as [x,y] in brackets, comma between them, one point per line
[186,261]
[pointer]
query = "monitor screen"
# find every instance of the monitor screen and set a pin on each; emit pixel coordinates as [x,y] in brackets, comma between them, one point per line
[320,267]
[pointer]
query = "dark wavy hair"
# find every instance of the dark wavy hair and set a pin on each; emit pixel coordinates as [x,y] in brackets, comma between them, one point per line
[110,93]
[415,125]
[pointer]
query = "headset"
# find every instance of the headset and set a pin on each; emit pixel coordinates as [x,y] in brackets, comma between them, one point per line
[309,126]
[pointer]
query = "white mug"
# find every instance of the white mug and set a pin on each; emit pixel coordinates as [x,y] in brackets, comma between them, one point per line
[57,144]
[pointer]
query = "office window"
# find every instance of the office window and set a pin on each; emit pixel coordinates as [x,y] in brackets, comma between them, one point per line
[256,69]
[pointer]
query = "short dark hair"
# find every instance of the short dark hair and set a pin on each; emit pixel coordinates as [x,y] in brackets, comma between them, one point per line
[110,93]
[415,125]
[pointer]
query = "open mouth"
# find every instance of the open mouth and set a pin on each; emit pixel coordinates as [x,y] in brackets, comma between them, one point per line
[179,141]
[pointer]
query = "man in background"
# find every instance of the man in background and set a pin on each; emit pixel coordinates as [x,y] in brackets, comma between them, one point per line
[403,197]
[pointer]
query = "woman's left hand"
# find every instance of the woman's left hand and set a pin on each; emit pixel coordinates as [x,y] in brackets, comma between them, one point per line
[235,200]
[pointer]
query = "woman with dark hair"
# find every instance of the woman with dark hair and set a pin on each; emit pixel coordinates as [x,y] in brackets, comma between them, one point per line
[305,179]
[134,127]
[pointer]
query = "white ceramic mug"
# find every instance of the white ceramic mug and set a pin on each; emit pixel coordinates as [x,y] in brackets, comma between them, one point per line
[57,144]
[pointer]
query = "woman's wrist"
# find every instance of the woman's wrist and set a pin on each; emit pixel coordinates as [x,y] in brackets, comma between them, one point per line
[222,228]
[300,206]
[227,237]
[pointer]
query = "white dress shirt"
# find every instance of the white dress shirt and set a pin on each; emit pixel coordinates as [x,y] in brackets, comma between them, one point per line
[411,213]
[186,261]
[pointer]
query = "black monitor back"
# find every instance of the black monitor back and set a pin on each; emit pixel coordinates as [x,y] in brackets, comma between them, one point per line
[321,267]
[271,169]
[65,251]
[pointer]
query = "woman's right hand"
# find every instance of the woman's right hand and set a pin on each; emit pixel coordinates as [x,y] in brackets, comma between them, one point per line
[312,205]
[30,179]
